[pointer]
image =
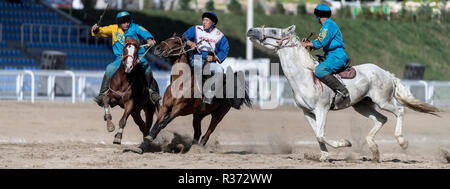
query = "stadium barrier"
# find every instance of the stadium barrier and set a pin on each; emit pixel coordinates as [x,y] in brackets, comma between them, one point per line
[24,84]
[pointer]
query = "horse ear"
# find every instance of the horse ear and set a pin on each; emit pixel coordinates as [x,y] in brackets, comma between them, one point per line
[291,29]
[174,34]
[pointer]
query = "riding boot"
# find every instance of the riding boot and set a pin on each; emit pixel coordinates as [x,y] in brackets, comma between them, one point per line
[103,88]
[207,100]
[152,88]
[335,85]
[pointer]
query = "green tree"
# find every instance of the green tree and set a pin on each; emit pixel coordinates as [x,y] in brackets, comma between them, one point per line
[184,4]
[235,7]
[425,13]
[279,9]
[258,7]
[210,5]
[301,8]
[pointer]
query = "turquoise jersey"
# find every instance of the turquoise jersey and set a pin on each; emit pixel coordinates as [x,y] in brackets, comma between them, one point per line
[135,31]
[330,39]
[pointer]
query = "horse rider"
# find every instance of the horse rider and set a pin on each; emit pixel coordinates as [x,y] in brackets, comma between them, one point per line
[330,39]
[125,28]
[212,44]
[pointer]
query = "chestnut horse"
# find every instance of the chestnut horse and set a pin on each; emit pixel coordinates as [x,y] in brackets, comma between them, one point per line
[128,90]
[176,50]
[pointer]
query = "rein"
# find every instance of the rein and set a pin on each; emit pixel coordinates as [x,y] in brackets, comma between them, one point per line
[122,57]
[121,94]
[182,48]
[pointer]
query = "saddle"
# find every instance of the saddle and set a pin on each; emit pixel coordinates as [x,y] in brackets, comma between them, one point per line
[347,73]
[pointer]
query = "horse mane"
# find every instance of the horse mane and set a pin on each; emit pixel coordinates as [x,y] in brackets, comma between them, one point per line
[302,56]
[132,41]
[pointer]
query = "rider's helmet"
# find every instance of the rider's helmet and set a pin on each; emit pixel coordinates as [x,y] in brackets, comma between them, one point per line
[212,16]
[322,11]
[123,17]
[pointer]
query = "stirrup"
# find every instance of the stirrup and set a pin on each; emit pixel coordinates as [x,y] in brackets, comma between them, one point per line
[154,96]
[207,100]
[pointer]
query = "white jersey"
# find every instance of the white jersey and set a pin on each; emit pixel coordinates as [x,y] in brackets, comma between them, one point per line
[208,40]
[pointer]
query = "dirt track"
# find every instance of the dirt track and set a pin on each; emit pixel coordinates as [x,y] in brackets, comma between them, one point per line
[63,135]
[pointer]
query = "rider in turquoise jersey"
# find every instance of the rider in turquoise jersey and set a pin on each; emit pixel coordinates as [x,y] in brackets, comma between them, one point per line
[125,28]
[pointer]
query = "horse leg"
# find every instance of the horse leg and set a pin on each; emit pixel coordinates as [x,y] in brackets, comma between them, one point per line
[197,124]
[321,117]
[138,120]
[398,111]
[128,107]
[108,117]
[217,116]
[312,122]
[149,111]
[165,116]
[368,110]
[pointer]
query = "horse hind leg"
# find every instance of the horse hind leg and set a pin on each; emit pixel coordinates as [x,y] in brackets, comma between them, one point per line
[197,124]
[398,111]
[217,116]
[367,109]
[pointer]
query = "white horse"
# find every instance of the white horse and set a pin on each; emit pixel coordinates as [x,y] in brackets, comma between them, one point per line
[371,86]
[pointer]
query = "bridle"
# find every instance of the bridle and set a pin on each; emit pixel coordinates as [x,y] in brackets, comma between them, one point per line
[182,48]
[134,56]
[279,40]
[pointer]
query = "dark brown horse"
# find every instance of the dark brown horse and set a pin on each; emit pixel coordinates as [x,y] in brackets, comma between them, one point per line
[175,49]
[128,90]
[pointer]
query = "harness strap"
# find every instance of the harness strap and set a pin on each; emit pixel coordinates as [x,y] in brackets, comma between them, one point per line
[279,40]
[121,94]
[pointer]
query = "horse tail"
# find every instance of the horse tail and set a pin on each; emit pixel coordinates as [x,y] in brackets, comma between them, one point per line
[236,102]
[404,96]
[247,100]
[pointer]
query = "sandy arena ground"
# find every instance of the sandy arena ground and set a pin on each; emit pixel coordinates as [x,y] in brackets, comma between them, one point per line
[64,135]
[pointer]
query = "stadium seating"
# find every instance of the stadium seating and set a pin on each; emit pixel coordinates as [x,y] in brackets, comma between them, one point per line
[80,55]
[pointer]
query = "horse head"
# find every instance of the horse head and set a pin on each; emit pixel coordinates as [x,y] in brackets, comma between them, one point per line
[271,38]
[130,54]
[172,47]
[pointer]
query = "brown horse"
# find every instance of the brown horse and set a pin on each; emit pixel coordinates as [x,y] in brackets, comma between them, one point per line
[175,49]
[128,90]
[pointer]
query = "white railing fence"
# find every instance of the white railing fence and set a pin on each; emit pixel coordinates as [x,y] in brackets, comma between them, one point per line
[24,84]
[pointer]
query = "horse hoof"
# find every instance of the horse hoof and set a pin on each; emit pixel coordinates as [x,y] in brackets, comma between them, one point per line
[135,150]
[403,142]
[148,139]
[323,156]
[346,143]
[117,142]
[404,145]
[110,127]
